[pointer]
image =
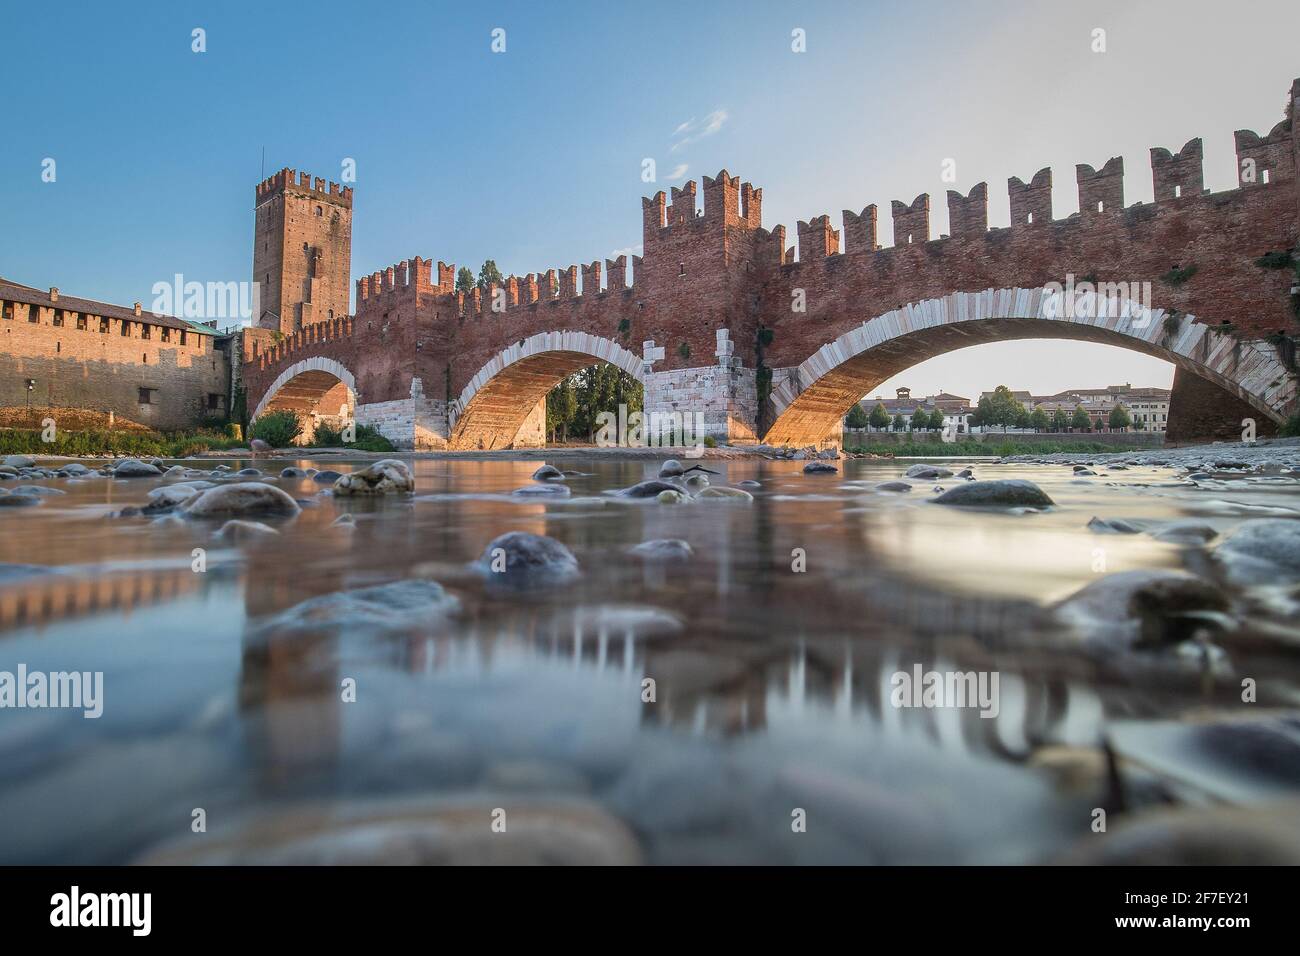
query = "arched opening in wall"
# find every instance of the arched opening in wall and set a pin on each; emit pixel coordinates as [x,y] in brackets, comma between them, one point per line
[1031,356]
[317,397]
[506,405]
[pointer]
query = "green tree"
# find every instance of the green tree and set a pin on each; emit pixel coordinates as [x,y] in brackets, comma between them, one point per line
[937,421]
[1060,420]
[879,418]
[561,408]
[899,422]
[489,274]
[464,280]
[1081,421]
[856,418]
[1120,418]
[1038,420]
[1002,409]
[920,419]
[979,418]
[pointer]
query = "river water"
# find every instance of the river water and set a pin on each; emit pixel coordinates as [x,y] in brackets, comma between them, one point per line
[772,735]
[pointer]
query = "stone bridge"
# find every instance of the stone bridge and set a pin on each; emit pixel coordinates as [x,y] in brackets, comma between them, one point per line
[719,318]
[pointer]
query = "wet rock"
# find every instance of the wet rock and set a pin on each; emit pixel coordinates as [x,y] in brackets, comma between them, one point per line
[9,500]
[671,497]
[372,611]
[1185,532]
[1260,550]
[176,472]
[386,477]
[647,489]
[520,559]
[819,468]
[131,468]
[249,473]
[6,471]
[722,491]
[431,830]
[1264,835]
[1012,492]
[327,477]
[1145,609]
[672,468]
[663,549]
[1084,473]
[696,483]
[293,473]
[542,491]
[830,453]
[221,468]
[893,486]
[19,461]
[548,473]
[927,471]
[238,530]
[346,522]
[172,495]
[966,473]
[750,483]
[241,500]
[258,447]
[40,491]
[1111,526]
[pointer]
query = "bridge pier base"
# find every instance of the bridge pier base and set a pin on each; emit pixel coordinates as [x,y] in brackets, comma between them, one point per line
[720,401]
[1200,411]
[417,423]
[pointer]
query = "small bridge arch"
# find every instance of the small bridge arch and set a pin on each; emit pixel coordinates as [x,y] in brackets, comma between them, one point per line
[496,402]
[317,387]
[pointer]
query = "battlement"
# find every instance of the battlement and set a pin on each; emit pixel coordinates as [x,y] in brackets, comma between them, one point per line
[1178,174]
[1031,204]
[968,215]
[817,239]
[1100,190]
[307,337]
[727,201]
[1265,159]
[305,182]
[415,274]
[860,230]
[911,223]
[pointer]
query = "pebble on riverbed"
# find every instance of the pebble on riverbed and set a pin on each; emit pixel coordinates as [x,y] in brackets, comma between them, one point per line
[522,560]
[1010,492]
[243,499]
[385,477]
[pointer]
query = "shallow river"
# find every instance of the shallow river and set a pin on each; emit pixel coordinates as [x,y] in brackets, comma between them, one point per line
[771,737]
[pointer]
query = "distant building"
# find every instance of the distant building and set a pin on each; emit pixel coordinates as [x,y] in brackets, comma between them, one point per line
[956,410]
[1148,407]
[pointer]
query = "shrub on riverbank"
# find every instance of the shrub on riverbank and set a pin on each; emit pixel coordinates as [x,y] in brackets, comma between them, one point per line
[278,429]
[968,448]
[368,438]
[139,444]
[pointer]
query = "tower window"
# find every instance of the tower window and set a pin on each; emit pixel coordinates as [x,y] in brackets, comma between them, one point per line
[82,321]
[33,313]
[126,328]
[103,325]
[7,310]
[145,331]
[148,396]
[58,317]
[320,211]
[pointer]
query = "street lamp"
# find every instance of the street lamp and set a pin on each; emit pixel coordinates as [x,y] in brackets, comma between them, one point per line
[31,385]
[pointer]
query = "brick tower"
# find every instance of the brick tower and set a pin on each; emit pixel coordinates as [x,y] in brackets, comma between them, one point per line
[302,250]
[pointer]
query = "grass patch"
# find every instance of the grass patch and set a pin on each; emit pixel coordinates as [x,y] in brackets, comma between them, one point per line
[368,438]
[1178,275]
[140,444]
[968,448]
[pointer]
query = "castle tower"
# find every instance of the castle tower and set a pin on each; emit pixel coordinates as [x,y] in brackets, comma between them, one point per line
[302,250]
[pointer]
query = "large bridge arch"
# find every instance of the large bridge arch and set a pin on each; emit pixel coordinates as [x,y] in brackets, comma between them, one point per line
[810,400]
[316,388]
[493,406]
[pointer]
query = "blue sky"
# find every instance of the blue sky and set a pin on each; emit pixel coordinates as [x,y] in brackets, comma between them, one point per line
[533,156]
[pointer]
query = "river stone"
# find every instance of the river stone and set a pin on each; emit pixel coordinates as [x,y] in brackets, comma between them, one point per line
[75,468]
[8,500]
[721,491]
[750,483]
[1111,526]
[431,830]
[819,468]
[520,559]
[8,471]
[966,473]
[19,461]
[671,497]
[1185,532]
[1259,835]
[1260,550]
[176,472]
[548,473]
[1143,609]
[697,482]
[672,468]
[385,477]
[327,477]
[927,471]
[364,612]
[893,486]
[238,530]
[40,491]
[1011,492]
[258,446]
[241,500]
[663,549]
[647,489]
[131,468]
[347,522]
[293,473]
[542,491]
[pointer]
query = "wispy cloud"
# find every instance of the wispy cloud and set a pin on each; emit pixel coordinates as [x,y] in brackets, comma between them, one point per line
[678,172]
[694,130]
[629,251]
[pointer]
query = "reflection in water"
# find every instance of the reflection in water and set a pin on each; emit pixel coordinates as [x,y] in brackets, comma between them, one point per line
[771,686]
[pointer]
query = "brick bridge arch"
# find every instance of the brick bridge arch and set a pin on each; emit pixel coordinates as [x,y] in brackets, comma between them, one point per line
[810,400]
[310,385]
[512,385]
